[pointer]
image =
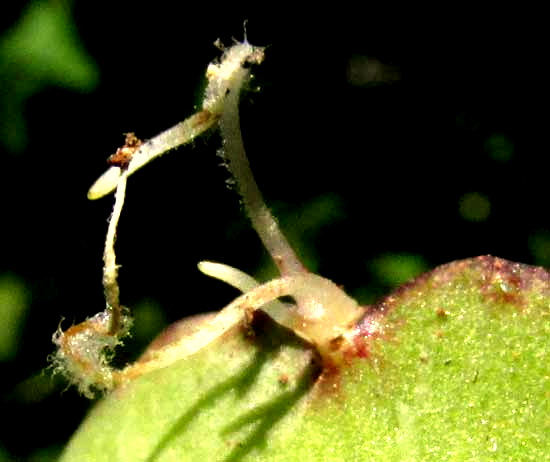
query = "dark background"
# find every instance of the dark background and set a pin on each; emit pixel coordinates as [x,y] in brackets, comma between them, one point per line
[386,142]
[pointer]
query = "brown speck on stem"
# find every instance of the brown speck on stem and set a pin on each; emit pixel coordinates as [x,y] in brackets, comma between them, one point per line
[121,158]
[336,343]
[283,379]
[200,118]
[441,313]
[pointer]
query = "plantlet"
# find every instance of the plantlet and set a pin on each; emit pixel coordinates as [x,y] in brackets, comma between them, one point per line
[323,314]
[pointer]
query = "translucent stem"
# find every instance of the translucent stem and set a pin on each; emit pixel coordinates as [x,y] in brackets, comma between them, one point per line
[226,319]
[245,283]
[263,221]
[331,315]
[110,268]
[179,134]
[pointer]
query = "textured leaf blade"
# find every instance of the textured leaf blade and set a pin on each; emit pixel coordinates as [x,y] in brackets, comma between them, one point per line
[458,370]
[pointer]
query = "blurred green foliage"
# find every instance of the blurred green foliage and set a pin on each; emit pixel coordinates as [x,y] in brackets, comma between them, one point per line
[392,270]
[539,245]
[41,49]
[13,310]
[499,147]
[474,206]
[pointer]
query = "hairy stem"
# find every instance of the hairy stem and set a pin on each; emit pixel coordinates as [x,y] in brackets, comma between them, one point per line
[332,316]
[262,220]
[226,319]
[110,268]
[181,133]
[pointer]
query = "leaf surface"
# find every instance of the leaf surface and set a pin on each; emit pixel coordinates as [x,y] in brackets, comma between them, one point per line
[453,366]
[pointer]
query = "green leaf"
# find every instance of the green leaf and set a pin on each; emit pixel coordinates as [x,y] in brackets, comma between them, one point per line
[451,367]
[13,311]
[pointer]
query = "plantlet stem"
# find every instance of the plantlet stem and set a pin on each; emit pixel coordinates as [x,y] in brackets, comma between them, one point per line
[279,311]
[110,268]
[226,319]
[262,220]
[333,315]
[175,136]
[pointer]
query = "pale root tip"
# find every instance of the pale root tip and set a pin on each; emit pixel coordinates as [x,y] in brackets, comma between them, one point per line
[229,275]
[208,267]
[105,184]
